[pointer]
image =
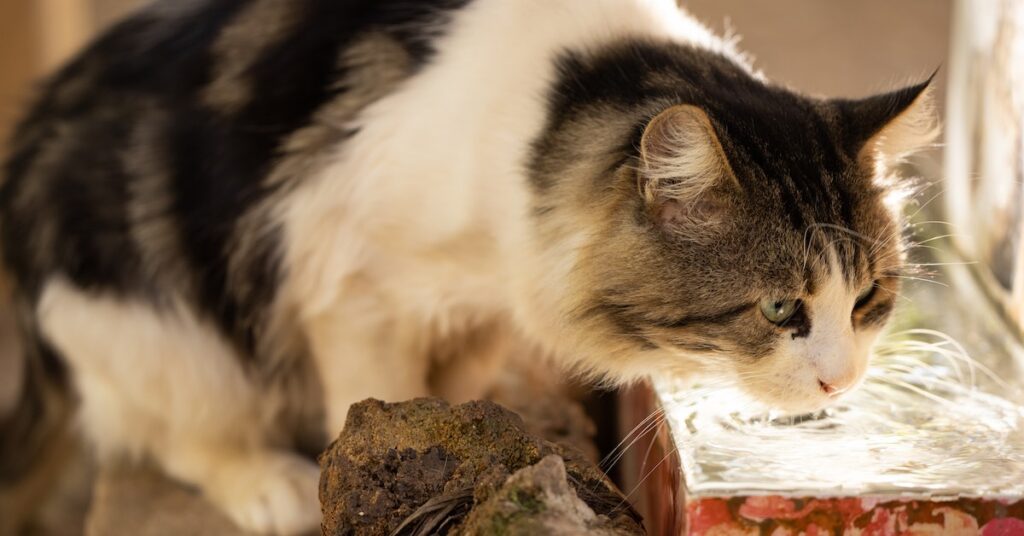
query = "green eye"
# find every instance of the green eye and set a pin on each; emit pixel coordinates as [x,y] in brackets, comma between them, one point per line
[779,311]
[866,294]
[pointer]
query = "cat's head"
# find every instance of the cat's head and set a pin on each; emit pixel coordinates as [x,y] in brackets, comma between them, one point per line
[750,234]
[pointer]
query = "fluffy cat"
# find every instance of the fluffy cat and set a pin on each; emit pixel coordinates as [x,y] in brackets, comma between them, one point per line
[228,220]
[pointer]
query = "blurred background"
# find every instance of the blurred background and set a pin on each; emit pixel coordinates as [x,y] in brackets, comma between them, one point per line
[834,48]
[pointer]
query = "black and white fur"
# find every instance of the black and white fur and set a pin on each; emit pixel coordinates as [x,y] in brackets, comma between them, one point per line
[228,220]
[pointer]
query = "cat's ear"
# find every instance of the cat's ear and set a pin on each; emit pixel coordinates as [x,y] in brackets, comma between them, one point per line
[882,130]
[683,167]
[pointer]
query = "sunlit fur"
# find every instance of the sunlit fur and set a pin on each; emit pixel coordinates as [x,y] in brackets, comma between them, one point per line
[232,220]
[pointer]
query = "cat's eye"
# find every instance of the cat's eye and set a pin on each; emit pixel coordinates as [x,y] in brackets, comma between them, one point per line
[779,311]
[865,295]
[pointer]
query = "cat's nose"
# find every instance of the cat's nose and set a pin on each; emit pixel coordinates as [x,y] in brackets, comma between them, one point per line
[834,388]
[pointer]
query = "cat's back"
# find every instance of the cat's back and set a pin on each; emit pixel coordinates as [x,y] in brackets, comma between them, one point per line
[155,159]
[227,55]
[143,157]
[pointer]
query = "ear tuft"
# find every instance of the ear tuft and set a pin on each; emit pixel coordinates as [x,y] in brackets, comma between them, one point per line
[885,129]
[681,159]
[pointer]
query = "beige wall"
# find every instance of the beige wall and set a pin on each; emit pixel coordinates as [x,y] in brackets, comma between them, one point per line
[837,47]
[19,57]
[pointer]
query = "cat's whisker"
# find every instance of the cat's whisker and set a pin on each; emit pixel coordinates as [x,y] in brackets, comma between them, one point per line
[635,434]
[924,246]
[957,354]
[926,203]
[655,426]
[930,264]
[894,294]
[932,222]
[917,390]
[925,280]
[847,231]
[918,243]
[648,473]
[892,236]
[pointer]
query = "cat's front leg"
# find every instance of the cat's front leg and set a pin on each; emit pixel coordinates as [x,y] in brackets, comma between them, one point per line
[169,387]
[465,365]
[362,350]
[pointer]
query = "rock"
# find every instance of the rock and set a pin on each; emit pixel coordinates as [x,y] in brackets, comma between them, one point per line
[539,500]
[421,466]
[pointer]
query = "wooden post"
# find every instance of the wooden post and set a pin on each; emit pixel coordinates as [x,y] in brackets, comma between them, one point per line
[984,183]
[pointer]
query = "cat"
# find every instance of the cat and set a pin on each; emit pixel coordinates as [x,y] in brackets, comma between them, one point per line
[228,220]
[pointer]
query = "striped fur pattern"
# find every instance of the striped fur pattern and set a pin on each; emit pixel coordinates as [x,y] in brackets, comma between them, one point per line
[228,220]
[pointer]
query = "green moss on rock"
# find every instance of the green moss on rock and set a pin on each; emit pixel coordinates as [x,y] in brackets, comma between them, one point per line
[426,459]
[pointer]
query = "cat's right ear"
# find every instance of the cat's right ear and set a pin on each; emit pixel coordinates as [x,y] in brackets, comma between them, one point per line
[683,168]
[880,131]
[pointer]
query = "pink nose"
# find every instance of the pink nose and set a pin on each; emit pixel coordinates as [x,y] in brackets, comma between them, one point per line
[835,385]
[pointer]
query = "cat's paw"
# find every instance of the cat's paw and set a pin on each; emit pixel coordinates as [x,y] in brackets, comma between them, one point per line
[271,494]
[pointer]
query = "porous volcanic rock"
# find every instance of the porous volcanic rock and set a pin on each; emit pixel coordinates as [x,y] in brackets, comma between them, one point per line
[423,466]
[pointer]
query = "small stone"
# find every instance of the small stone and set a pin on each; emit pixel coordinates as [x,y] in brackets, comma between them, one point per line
[539,500]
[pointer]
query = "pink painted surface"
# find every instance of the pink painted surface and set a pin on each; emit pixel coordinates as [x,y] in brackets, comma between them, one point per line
[781,516]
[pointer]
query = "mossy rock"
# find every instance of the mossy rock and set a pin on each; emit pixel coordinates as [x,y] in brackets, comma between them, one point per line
[422,466]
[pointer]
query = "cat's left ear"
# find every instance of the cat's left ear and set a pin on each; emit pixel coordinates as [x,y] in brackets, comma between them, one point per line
[684,169]
[882,130]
